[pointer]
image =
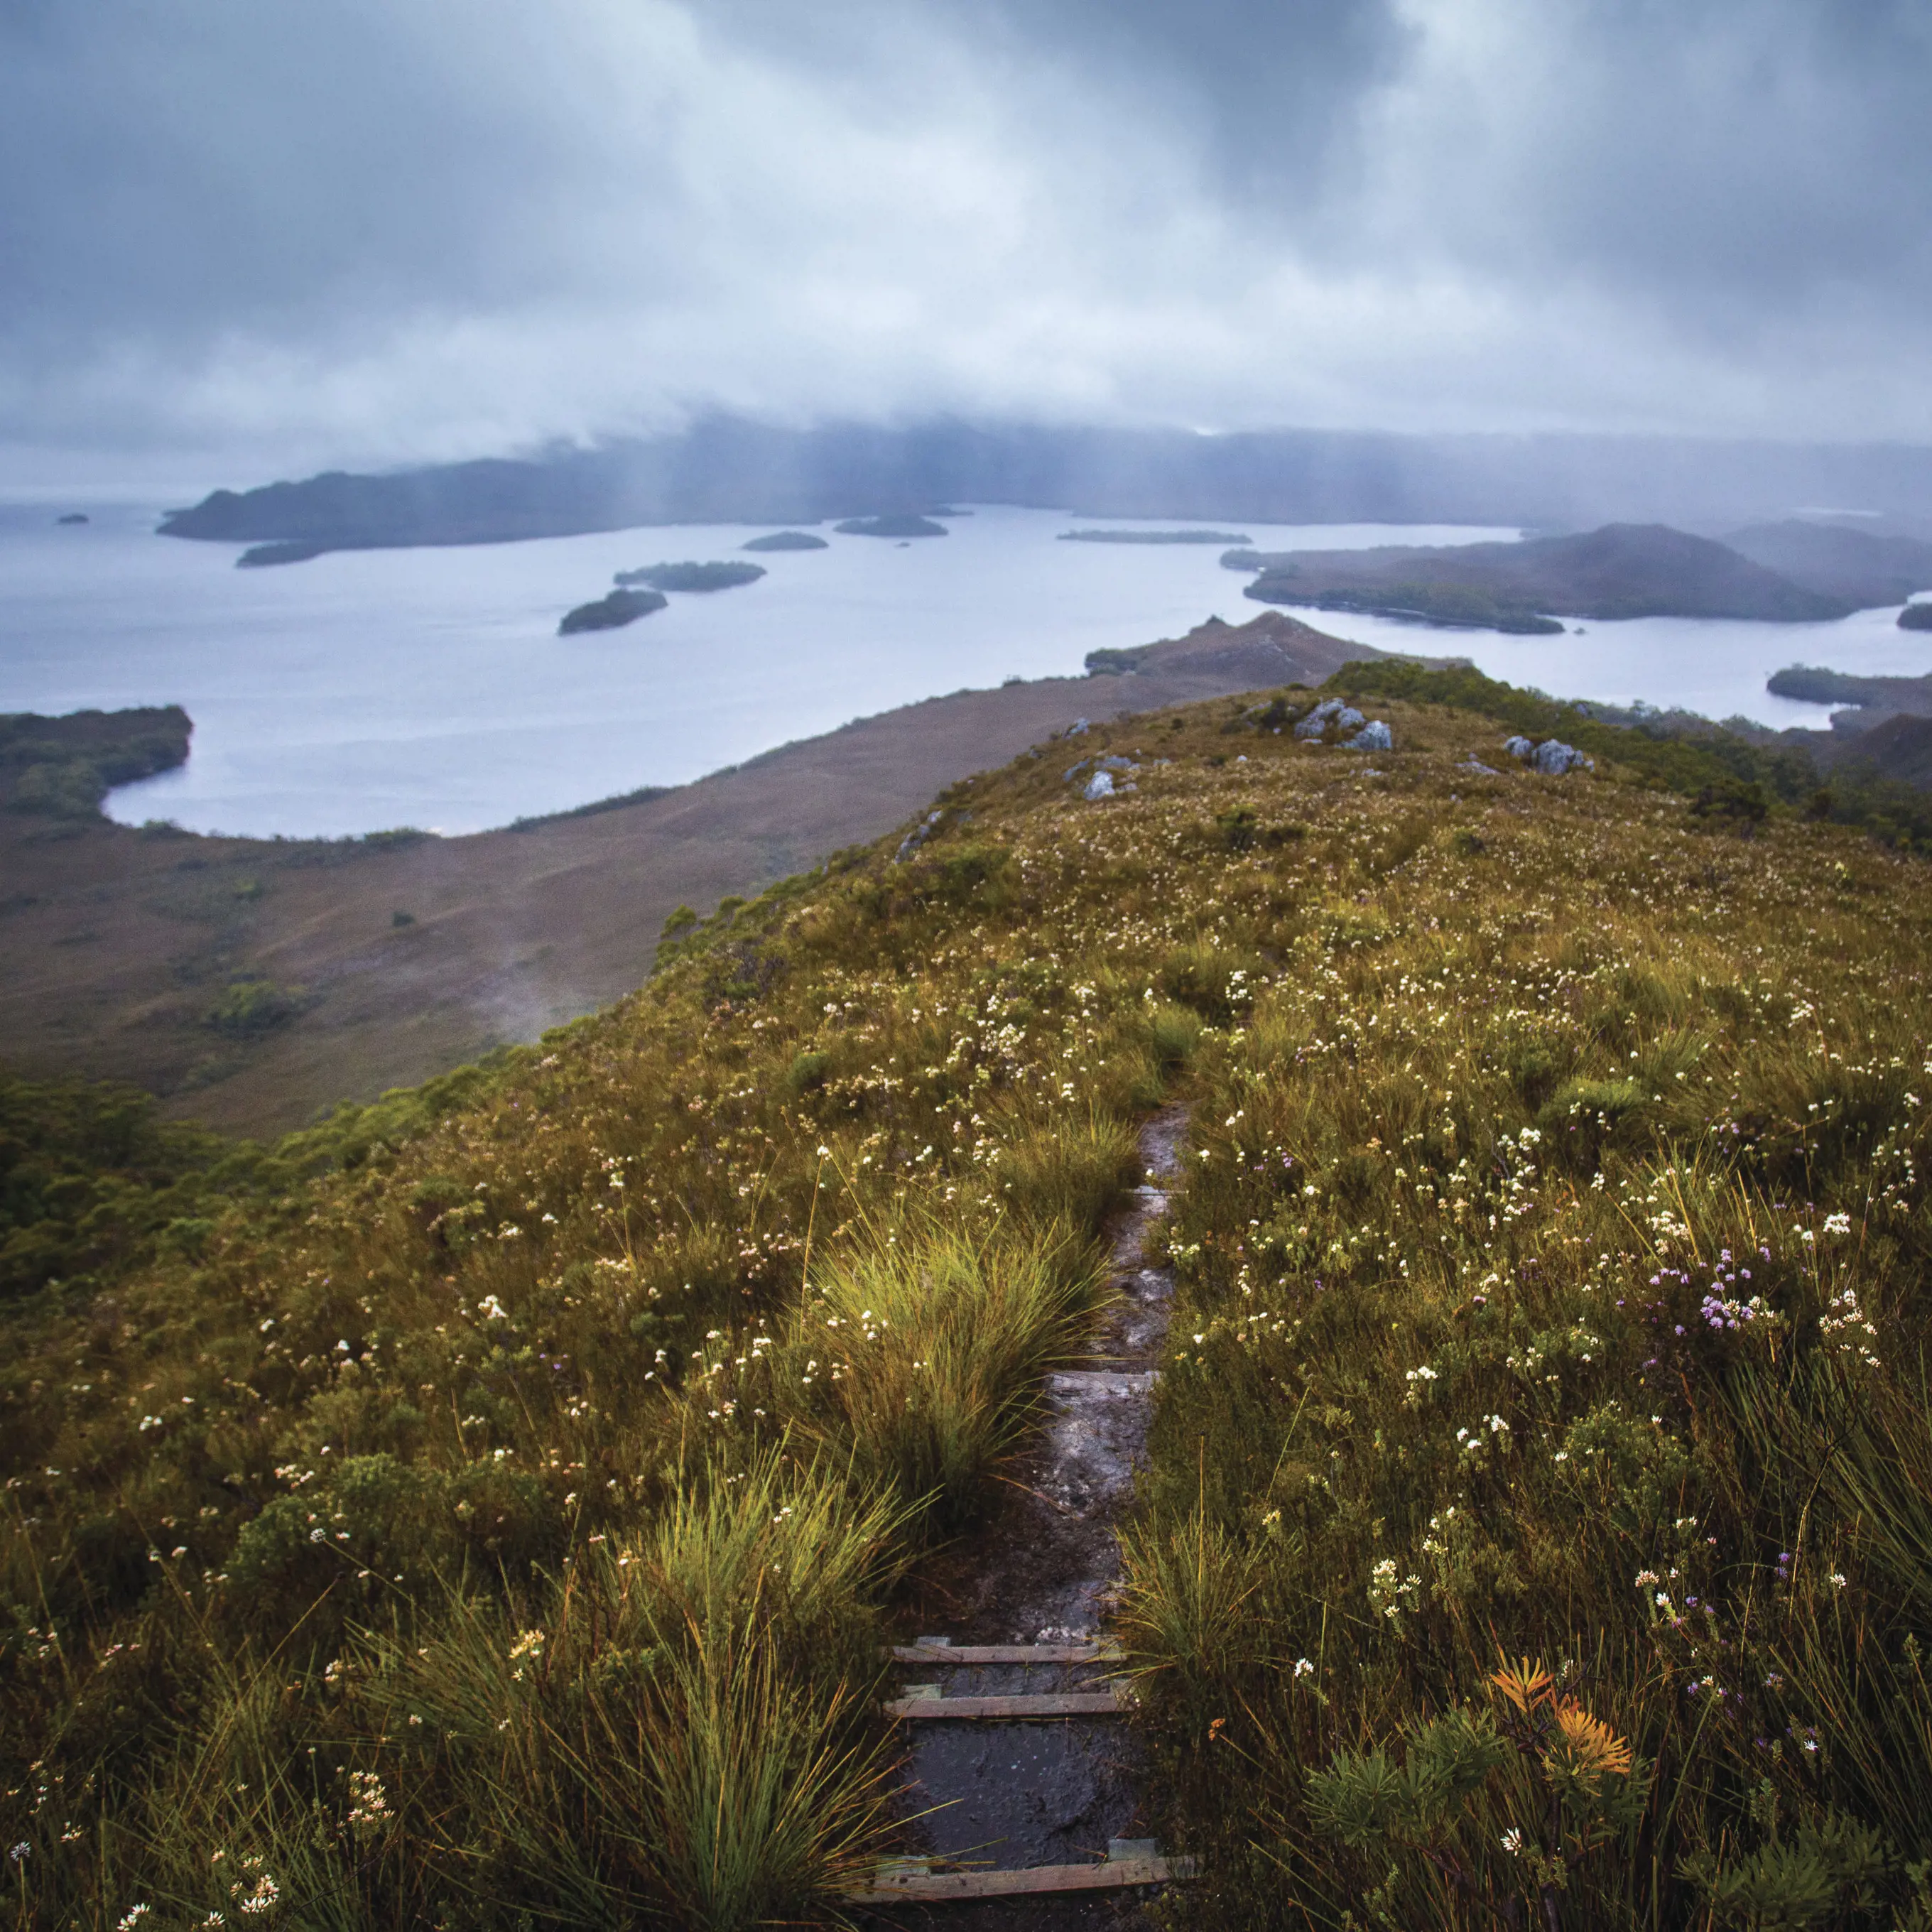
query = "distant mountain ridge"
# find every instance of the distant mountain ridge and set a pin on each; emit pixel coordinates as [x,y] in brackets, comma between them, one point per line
[1870,570]
[725,469]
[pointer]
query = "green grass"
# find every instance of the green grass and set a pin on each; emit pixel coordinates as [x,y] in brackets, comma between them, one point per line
[490,1512]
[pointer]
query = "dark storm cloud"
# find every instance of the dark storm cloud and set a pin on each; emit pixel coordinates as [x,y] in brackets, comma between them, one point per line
[237,166]
[1268,95]
[1704,151]
[392,226]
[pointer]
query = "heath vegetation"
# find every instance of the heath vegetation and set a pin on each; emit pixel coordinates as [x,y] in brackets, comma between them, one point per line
[499,1526]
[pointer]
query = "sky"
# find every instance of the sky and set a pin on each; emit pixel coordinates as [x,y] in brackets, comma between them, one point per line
[286,233]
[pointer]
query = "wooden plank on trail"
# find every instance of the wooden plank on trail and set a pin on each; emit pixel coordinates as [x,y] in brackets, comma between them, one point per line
[1062,1704]
[1006,1653]
[1108,1381]
[930,1885]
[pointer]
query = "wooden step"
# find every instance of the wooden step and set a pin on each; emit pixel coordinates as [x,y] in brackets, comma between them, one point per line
[923,1704]
[929,1650]
[914,1878]
[1102,1381]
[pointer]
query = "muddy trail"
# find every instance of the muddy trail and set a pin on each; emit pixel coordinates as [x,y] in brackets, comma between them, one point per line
[1018,1758]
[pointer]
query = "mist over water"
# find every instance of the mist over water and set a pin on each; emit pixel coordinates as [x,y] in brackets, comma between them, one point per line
[366,689]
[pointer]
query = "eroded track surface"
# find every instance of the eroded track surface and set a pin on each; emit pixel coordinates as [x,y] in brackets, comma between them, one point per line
[1011,1795]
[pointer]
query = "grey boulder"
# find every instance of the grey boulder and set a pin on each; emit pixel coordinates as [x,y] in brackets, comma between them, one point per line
[1554,757]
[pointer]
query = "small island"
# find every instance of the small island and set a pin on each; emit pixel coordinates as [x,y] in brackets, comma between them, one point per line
[73,517]
[895,525]
[260,556]
[613,612]
[1915,617]
[787,540]
[692,576]
[1155,537]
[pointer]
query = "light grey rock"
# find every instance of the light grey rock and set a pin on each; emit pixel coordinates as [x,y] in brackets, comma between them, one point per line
[1476,765]
[1373,737]
[1554,757]
[1100,785]
[1317,720]
[1520,748]
[917,836]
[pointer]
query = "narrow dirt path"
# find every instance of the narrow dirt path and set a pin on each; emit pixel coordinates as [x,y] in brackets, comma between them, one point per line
[1044,1570]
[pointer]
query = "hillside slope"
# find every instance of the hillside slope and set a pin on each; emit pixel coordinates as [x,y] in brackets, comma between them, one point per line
[504,1527]
[388,961]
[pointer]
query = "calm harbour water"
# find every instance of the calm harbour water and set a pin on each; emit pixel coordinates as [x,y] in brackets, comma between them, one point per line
[428,687]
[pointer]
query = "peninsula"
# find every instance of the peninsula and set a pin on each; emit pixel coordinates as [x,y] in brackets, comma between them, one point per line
[1866,570]
[1623,570]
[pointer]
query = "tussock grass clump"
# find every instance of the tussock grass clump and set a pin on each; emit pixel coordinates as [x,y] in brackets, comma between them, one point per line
[676,1727]
[936,1347]
[1062,1174]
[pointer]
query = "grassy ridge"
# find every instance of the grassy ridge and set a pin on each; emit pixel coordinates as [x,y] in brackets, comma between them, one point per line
[497,1530]
[1728,772]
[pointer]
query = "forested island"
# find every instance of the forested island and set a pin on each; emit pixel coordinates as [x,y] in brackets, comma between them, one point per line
[689,576]
[612,611]
[787,540]
[894,525]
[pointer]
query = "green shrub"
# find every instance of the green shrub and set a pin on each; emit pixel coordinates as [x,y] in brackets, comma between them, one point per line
[807,1072]
[251,1007]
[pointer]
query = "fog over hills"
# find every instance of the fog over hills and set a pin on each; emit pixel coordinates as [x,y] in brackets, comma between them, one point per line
[724,469]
